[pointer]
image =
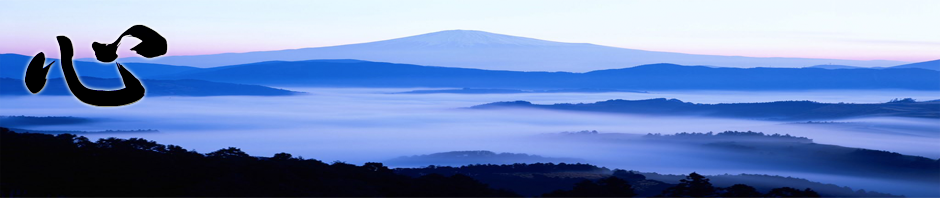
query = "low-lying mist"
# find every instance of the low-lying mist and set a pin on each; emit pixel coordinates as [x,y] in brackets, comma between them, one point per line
[362,125]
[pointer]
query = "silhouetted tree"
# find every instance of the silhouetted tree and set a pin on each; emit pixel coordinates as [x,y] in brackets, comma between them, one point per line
[739,190]
[375,166]
[282,156]
[694,185]
[230,152]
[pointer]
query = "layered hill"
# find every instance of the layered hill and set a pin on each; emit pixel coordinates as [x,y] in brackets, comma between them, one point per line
[780,110]
[352,73]
[357,73]
[931,65]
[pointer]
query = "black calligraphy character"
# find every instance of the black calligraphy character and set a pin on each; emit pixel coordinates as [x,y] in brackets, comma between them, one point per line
[36,74]
[151,45]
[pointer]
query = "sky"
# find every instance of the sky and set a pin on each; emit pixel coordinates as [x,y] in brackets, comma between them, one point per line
[835,29]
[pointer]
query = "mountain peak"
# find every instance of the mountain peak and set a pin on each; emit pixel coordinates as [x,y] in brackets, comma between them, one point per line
[492,51]
[467,38]
[460,31]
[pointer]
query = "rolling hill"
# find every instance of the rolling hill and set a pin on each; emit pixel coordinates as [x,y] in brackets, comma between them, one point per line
[780,110]
[357,73]
[931,65]
[349,73]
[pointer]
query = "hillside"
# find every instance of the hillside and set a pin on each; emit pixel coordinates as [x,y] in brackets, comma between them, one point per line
[534,179]
[136,167]
[139,167]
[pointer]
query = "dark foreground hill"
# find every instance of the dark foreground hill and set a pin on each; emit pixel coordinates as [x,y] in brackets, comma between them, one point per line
[534,179]
[780,110]
[72,166]
[69,165]
[754,151]
[57,86]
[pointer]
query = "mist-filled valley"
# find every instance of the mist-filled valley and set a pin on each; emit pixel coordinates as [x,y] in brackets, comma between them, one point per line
[481,98]
[358,125]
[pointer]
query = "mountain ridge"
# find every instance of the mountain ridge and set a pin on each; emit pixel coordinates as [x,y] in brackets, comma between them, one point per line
[641,78]
[931,65]
[662,76]
[777,110]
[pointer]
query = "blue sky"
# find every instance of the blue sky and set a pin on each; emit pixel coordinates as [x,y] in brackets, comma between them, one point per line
[858,29]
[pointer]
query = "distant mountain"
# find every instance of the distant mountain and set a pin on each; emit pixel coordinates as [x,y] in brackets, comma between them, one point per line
[18,121]
[512,91]
[57,86]
[459,158]
[14,66]
[346,73]
[931,65]
[484,50]
[15,122]
[781,110]
[357,73]
[367,74]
